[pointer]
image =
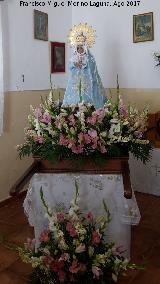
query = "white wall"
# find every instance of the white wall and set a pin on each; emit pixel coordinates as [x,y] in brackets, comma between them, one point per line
[115,51]
[29,56]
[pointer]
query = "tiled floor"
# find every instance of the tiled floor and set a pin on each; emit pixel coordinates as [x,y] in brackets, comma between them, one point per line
[14,229]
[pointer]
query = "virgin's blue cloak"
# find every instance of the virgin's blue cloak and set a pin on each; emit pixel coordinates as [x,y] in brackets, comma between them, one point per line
[84,84]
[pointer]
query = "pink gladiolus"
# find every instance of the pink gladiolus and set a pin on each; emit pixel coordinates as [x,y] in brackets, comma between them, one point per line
[71,230]
[96,272]
[38,113]
[60,217]
[74,267]
[81,248]
[89,216]
[95,237]
[44,237]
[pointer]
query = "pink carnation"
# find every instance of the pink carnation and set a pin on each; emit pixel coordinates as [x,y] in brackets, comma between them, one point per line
[92,133]
[77,149]
[95,237]
[48,260]
[89,216]
[74,267]
[96,272]
[44,237]
[61,275]
[91,120]
[63,140]
[39,139]
[71,230]
[71,120]
[81,248]
[103,149]
[87,139]
[46,118]
[138,134]
[60,217]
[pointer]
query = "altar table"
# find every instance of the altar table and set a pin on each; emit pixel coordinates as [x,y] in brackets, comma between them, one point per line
[59,189]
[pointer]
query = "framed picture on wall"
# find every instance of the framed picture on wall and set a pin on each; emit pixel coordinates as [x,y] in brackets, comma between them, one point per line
[40,25]
[143,27]
[57,57]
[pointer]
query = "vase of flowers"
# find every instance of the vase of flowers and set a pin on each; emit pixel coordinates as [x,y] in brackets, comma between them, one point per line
[81,131]
[73,248]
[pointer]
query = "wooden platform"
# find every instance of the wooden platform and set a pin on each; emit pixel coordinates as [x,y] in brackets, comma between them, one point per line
[118,165]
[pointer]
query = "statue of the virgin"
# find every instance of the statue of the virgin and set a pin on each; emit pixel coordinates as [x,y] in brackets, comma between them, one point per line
[84,82]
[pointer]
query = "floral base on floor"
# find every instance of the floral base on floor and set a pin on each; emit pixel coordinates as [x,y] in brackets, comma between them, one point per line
[57,132]
[73,250]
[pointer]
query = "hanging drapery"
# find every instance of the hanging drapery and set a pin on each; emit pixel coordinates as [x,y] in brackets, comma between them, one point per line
[1,76]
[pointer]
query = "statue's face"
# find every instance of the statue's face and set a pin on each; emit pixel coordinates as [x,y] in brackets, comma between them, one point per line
[80,49]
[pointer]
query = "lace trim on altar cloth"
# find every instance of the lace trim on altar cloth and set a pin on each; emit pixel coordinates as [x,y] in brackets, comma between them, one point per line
[127,209]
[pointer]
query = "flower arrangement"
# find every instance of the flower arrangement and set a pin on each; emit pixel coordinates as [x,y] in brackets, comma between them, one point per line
[73,250]
[81,130]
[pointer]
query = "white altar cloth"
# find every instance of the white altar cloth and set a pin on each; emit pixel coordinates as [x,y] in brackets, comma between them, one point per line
[60,188]
[146,178]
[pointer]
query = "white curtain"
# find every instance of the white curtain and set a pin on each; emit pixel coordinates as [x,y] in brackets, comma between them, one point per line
[1,75]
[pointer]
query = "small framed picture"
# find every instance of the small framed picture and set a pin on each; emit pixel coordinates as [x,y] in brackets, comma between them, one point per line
[40,25]
[57,57]
[143,27]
